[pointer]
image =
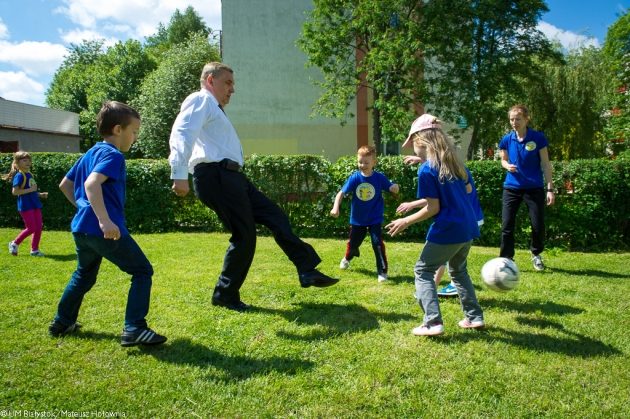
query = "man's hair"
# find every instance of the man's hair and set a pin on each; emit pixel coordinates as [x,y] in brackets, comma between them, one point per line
[214,69]
[367,150]
[114,113]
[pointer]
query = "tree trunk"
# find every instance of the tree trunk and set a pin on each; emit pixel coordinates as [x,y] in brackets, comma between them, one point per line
[474,142]
[376,126]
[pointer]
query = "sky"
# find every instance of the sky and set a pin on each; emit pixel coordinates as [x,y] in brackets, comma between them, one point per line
[35,34]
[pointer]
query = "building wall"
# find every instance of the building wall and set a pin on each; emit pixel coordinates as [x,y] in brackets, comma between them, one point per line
[273,97]
[37,128]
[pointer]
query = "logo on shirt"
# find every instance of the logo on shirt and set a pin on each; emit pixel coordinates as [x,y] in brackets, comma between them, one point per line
[530,146]
[365,191]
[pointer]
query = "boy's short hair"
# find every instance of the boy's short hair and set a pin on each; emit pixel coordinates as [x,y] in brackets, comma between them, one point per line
[214,68]
[114,113]
[367,150]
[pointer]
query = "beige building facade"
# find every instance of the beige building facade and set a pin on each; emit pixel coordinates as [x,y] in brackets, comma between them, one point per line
[36,128]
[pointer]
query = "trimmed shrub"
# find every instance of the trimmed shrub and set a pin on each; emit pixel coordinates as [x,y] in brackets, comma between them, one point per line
[591,210]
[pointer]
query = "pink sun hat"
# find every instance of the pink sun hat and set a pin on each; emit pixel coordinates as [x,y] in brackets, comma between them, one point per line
[426,121]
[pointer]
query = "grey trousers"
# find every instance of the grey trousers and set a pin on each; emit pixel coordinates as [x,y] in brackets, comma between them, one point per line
[431,258]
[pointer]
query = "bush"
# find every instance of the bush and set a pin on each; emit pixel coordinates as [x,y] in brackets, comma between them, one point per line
[591,210]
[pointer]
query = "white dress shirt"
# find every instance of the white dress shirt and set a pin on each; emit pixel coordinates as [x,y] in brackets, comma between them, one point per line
[201,133]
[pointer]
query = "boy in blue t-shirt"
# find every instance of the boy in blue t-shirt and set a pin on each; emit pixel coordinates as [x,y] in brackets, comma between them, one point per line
[366,211]
[95,185]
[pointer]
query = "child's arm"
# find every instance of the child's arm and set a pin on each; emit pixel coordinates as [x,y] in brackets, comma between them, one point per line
[94,192]
[335,209]
[399,225]
[67,188]
[16,191]
[394,189]
[408,206]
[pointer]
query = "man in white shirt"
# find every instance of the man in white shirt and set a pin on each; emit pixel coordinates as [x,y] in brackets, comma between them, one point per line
[203,142]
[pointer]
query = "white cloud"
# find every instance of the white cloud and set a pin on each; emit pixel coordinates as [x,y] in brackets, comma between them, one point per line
[77,36]
[18,86]
[568,40]
[139,17]
[34,58]
[4,31]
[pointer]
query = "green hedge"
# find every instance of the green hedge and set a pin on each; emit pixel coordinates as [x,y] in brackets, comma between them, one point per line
[591,212]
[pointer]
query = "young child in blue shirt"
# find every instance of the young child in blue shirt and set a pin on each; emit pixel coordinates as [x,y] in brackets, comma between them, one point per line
[96,186]
[366,186]
[450,290]
[445,184]
[29,204]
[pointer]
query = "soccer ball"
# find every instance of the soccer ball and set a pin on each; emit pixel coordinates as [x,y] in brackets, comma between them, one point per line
[500,274]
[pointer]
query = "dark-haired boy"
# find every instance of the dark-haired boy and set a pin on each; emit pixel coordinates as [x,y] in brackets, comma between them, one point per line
[95,185]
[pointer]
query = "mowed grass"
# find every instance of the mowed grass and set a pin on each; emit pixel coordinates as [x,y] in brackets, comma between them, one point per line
[555,347]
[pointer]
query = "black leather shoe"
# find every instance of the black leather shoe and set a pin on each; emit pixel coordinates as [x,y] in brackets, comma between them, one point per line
[237,306]
[316,279]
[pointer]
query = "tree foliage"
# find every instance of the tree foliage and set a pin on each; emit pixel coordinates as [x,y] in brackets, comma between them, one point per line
[617,57]
[565,102]
[461,58]
[163,91]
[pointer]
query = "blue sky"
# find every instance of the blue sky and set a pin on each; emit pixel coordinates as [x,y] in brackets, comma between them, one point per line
[35,34]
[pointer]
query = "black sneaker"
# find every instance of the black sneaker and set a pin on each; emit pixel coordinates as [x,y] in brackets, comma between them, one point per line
[141,336]
[57,329]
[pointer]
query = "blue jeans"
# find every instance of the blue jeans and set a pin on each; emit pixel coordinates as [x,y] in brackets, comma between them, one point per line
[124,253]
[432,257]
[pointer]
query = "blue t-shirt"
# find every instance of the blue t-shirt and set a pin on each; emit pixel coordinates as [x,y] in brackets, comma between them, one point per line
[456,222]
[30,200]
[106,159]
[526,156]
[367,204]
[474,199]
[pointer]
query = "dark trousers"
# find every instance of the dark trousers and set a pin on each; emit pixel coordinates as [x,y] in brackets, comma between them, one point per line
[535,201]
[357,235]
[240,206]
[124,253]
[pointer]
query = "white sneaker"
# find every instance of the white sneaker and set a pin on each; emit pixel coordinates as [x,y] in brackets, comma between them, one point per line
[425,330]
[344,264]
[382,277]
[467,324]
[13,248]
[36,253]
[538,263]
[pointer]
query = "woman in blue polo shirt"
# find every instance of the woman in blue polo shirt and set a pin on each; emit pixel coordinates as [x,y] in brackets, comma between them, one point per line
[525,156]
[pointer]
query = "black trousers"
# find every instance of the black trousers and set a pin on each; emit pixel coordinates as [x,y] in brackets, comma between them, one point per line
[240,206]
[535,201]
[357,235]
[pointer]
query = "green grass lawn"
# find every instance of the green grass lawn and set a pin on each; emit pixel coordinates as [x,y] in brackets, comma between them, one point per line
[557,346]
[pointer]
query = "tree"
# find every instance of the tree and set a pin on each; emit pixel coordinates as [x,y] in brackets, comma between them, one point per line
[479,52]
[380,34]
[162,92]
[181,27]
[566,102]
[617,57]
[461,58]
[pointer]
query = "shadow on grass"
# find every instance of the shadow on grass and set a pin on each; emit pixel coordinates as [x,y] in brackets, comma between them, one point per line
[572,344]
[592,272]
[233,367]
[186,352]
[331,320]
[61,258]
[545,307]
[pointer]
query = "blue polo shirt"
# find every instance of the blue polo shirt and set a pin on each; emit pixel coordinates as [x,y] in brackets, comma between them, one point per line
[456,222]
[29,200]
[367,204]
[106,159]
[526,156]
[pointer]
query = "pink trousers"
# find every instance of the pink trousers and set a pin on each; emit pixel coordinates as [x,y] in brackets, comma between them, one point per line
[34,225]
